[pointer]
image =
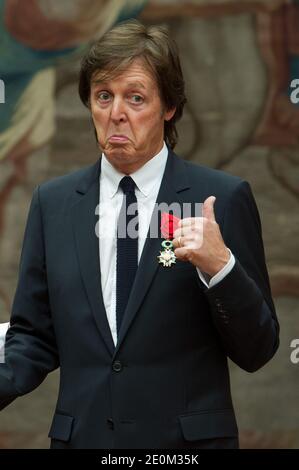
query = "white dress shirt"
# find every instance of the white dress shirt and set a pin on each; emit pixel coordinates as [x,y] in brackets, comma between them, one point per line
[148,180]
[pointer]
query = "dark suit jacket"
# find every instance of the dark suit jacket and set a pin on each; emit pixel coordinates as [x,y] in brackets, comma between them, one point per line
[166,383]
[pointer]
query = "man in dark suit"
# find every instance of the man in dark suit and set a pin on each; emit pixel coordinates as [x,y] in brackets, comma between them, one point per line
[141,341]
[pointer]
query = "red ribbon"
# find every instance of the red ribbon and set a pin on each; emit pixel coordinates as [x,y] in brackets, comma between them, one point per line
[169,224]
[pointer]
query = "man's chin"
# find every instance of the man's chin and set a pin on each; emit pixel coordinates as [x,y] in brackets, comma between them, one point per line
[120,155]
[119,151]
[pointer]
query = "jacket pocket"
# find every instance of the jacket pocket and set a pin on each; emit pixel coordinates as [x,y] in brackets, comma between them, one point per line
[61,427]
[209,425]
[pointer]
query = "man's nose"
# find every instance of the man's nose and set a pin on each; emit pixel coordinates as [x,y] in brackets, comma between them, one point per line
[118,110]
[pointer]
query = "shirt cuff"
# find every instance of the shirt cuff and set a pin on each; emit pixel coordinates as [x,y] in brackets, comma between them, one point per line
[210,282]
[3,330]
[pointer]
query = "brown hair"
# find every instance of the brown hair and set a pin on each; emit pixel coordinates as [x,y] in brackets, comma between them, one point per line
[131,40]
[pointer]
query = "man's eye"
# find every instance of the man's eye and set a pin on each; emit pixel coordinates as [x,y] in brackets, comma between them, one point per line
[103,96]
[137,99]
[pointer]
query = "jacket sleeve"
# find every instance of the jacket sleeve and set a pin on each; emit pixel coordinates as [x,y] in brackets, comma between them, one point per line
[30,351]
[241,304]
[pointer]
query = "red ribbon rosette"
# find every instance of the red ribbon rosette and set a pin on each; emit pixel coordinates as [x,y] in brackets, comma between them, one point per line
[169,224]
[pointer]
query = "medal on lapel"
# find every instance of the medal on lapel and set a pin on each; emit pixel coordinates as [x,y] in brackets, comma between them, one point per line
[169,224]
[167,256]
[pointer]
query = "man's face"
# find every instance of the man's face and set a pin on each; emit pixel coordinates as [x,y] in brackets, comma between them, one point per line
[128,115]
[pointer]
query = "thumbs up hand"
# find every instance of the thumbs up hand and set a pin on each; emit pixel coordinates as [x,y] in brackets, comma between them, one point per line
[208,209]
[199,241]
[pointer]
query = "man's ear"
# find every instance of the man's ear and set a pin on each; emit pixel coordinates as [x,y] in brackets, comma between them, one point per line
[169,114]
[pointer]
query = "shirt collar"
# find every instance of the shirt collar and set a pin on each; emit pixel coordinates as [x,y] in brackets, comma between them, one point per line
[145,178]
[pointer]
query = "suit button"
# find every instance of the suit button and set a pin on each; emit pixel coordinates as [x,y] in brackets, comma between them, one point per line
[110,423]
[225,319]
[117,366]
[221,310]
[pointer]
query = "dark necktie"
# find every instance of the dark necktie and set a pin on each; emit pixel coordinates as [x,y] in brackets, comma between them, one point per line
[127,247]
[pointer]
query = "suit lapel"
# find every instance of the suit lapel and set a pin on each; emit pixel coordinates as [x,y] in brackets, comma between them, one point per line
[84,221]
[174,181]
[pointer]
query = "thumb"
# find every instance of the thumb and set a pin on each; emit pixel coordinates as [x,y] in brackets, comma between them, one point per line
[208,208]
